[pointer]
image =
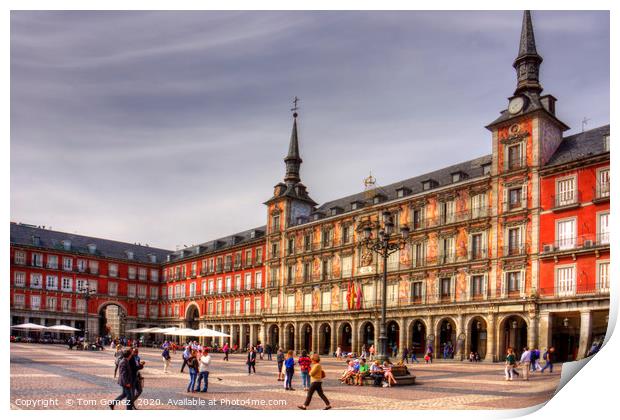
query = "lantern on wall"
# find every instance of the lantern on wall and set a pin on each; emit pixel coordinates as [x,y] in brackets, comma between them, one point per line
[514,325]
[419,326]
[565,322]
[478,325]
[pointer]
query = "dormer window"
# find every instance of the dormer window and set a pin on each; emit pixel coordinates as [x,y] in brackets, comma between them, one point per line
[486,169]
[66,245]
[36,241]
[316,216]
[153,258]
[402,192]
[458,176]
[356,205]
[335,210]
[92,248]
[606,143]
[428,184]
[379,198]
[129,255]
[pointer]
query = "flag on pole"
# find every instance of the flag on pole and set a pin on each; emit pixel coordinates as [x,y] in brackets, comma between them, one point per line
[359,296]
[349,295]
[352,297]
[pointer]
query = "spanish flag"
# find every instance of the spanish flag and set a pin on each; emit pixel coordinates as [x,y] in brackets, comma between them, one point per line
[352,297]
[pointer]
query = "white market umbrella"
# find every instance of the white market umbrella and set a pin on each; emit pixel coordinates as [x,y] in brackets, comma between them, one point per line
[185,331]
[167,331]
[62,328]
[208,332]
[28,326]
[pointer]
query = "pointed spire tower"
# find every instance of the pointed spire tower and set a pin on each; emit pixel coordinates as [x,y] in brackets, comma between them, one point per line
[527,63]
[291,196]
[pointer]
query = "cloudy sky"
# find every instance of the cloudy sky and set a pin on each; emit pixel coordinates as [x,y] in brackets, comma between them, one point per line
[169,128]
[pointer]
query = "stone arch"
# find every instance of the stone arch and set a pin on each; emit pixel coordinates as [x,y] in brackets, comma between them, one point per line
[306,333]
[325,338]
[345,336]
[445,335]
[366,334]
[393,331]
[192,315]
[476,327]
[418,331]
[289,337]
[512,332]
[273,337]
[112,317]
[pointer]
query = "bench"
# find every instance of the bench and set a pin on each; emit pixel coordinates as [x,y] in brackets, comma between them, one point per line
[401,374]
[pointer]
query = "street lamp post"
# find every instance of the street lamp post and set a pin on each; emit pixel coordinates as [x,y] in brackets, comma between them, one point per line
[386,244]
[88,293]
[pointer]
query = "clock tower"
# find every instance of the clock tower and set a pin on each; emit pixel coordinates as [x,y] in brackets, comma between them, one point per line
[525,136]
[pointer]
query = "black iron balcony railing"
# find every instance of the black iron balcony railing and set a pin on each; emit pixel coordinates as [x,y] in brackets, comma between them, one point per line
[566,200]
[582,242]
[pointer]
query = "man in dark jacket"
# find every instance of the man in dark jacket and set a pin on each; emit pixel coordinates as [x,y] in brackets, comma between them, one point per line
[135,365]
[125,380]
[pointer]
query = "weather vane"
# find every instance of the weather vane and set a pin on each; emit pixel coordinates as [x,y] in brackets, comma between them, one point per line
[295,107]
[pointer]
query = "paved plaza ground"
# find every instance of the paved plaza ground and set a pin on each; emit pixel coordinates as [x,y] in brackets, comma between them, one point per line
[52,376]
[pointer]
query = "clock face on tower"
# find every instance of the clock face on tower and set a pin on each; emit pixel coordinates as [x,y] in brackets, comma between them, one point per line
[516,104]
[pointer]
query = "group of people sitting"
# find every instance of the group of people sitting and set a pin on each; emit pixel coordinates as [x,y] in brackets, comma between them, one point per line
[474,356]
[358,369]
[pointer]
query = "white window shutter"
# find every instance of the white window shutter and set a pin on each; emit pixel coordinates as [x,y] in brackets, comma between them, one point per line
[524,196]
[453,288]
[504,280]
[505,158]
[485,281]
[505,199]
[423,291]
[438,289]
[522,153]
[522,285]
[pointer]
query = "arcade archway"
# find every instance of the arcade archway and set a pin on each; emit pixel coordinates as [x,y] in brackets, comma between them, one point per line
[418,338]
[346,336]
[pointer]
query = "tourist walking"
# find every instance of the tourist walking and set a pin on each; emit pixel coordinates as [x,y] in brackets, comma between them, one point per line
[510,364]
[251,362]
[338,353]
[316,384]
[269,350]
[405,356]
[125,381]
[192,364]
[280,360]
[289,366]
[260,351]
[136,365]
[413,356]
[118,356]
[165,355]
[186,354]
[304,368]
[525,363]
[371,351]
[203,370]
[226,350]
[548,358]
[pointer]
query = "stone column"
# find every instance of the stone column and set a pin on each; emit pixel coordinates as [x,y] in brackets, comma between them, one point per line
[544,330]
[263,334]
[460,343]
[252,335]
[315,337]
[585,333]
[281,337]
[403,336]
[532,331]
[490,356]
[377,334]
[355,348]
[430,331]
[333,338]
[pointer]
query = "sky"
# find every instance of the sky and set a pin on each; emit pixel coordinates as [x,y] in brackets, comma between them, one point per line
[169,128]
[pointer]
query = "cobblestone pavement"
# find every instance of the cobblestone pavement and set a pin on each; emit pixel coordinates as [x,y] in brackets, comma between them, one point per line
[54,377]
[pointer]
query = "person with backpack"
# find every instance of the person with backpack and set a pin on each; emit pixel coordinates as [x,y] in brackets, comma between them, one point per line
[289,365]
[166,357]
[304,363]
[280,361]
[548,358]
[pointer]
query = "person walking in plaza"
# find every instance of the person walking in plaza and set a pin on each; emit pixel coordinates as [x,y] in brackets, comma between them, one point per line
[338,352]
[118,355]
[269,351]
[186,354]
[413,356]
[548,358]
[316,384]
[511,361]
[136,365]
[405,356]
[371,352]
[304,368]
[192,364]
[289,365]
[203,370]
[280,360]
[525,363]
[260,349]
[226,350]
[165,355]
[125,381]
[251,362]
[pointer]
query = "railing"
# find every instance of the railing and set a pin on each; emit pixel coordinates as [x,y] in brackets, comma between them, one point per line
[578,242]
[517,205]
[514,250]
[449,218]
[601,191]
[575,290]
[566,199]
[478,254]
[514,164]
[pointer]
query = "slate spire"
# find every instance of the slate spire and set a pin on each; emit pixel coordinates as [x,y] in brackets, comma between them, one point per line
[528,61]
[292,159]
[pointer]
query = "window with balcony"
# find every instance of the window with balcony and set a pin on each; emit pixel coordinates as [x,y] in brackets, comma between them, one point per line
[290,248]
[566,233]
[227,307]
[446,250]
[446,212]
[67,284]
[211,287]
[19,279]
[35,302]
[51,303]
[67,263]
[416,291]
[93,267]
[80,305]
[603,183]
[258,280]
[36,281]
[327,237]
[192,289]
[154,275]
[326,269]
[275,222]
[393,261]
[290,279]
[52,262]
[37,259]
[477,247]
[131,273]
[113,270]
[218,308]
[257,306]
[81,265]
[477,286]
[514,243]
[419,254]
[602,276]
[565,281]
[347,266]
[229,284]
[513,281]
[347,234]
[514,157]
[259,256]
[153,311]
[131,290]
[19,300]
[203,287]
[248,257]
[210,308]
[219,285]
[603,228]
[194,269]
[478,206]
[51,282]
[65,305]
[237,281]
[20,257]
[211,265]
[142,291]
[307,242]
[446,288]
[112,288]
[248,281]
[515,198]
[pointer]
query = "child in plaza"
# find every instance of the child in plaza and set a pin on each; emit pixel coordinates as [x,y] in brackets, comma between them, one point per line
[289,365]
[316,384]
